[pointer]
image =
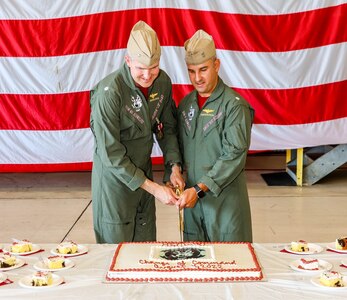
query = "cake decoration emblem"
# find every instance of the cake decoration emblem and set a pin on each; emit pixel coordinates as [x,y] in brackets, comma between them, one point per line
[182,253]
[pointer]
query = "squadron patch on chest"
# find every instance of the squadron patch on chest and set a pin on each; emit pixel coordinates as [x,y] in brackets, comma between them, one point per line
[137,102]
[191,113]
[185,118]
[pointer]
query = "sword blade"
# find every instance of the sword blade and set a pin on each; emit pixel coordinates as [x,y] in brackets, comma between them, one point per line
[180,217]
[178,192]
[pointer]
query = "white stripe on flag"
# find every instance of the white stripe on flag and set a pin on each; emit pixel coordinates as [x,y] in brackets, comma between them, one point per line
[73,146]
[41,147]
[33,9]
[270,70]
[268,137]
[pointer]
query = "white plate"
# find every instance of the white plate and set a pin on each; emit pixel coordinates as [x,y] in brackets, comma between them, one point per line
[3,277]
[344,262]
[36,248]
[323,265]
[316,282]
[41,266]
[80,250]
[19,263]
[332,247]
[312,249]
[26,282]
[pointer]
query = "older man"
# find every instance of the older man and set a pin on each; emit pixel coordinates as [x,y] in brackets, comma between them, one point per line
[127,108]
[214,130]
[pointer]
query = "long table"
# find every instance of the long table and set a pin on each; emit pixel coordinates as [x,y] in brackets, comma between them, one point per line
[86,280]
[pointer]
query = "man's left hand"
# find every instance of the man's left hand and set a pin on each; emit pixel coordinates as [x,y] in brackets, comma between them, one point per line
[187,199]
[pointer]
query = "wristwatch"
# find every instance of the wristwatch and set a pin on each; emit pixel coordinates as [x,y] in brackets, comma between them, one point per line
[199,192]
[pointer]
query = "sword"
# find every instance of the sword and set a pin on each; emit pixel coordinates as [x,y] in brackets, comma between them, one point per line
[178,192]
[180,218]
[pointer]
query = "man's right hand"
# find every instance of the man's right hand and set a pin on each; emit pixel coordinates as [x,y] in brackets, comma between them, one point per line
[163,193]
[166,195]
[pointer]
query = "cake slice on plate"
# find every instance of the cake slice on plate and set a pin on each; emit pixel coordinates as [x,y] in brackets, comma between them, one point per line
[7,260]
[341,243]
[299,246]
[309,264]
[55,262]
[331,278]
[21,246]
[67,248]
[41,278]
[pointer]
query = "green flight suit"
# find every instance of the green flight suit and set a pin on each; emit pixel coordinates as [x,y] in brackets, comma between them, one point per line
[123,122]
[214,143]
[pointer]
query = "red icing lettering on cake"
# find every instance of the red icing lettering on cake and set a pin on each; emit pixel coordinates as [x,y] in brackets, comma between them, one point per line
[206,268]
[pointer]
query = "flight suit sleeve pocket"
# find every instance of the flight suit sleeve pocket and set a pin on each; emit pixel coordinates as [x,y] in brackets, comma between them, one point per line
[235,136]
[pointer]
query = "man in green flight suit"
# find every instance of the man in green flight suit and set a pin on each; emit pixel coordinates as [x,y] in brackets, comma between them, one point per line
[127,108]
[214,132]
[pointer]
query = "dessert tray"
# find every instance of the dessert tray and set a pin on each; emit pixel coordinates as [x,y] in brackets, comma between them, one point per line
[332,247]
[312,249]
[316,282]
[323,265]
[19,263]
[26,282]
[41,266]
[80,250]
[35,248]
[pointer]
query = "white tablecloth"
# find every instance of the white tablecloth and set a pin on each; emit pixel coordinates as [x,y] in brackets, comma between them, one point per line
[85,280]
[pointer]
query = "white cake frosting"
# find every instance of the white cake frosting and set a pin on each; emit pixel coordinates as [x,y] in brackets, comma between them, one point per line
[309,264]
[194,262]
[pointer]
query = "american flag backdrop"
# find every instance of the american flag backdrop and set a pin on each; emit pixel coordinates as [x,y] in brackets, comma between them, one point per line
[286,57]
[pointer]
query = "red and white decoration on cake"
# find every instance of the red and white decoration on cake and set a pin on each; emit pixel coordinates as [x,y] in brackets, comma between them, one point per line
[184,262]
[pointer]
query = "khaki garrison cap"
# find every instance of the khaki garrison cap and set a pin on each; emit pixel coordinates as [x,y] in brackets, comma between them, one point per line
[143,44]
[199,48]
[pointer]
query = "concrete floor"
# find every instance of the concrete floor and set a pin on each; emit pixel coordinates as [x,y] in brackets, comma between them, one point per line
[50,207]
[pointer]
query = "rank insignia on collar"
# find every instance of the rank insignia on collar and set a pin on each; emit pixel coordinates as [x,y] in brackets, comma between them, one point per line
[137,103]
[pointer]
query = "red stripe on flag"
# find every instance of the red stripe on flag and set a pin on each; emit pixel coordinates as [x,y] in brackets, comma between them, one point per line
[291,106]
[298,106]
[277,107]
[44,111]
[110,30]
[64,167]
